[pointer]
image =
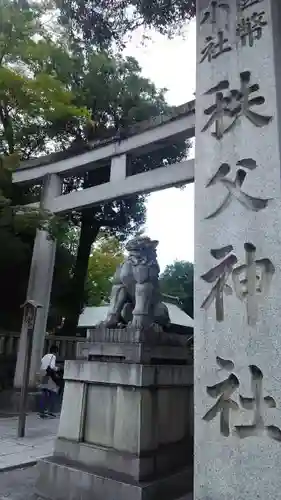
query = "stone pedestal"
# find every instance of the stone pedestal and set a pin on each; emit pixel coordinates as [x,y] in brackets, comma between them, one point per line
[127,421]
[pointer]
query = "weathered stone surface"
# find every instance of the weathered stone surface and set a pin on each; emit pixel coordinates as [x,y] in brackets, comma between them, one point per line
[135,295]
[20,485]
[125,345]
[131,429]
[65,480]
[237,206]
[37,443]
[138,353]
[71,420]
[100,419]
[150,336]
[39,287]
[182,110]
[133,374]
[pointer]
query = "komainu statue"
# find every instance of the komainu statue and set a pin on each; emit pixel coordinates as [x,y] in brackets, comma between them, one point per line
[135,295]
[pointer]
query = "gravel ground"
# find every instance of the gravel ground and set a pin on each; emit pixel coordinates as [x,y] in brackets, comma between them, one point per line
[18,484]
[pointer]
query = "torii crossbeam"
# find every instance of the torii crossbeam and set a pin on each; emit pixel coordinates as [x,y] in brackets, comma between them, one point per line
[114,152]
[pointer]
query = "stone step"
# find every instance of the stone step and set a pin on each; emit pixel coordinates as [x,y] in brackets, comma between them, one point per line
[59,479]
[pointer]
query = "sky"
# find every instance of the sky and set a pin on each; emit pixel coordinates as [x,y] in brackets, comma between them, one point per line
[170,213]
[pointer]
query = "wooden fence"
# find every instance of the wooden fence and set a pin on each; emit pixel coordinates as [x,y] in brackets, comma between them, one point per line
[9,342]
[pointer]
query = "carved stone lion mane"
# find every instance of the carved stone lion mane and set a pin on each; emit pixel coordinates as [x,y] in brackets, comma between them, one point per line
[135,295]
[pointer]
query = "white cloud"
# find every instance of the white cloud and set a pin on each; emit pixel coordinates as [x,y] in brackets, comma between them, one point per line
[170,219]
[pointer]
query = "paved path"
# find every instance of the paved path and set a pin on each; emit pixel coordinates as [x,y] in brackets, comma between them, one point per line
[18,484]
[37,443]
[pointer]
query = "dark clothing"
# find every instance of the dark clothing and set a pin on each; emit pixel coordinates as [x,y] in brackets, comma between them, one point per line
[48,401]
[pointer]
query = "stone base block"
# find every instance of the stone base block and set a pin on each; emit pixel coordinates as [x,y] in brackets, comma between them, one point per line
[127,345]
[135,353]
[59,479]
[167,459]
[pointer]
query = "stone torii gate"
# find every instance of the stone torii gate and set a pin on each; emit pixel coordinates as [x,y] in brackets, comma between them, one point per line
[51,169]
[237,360]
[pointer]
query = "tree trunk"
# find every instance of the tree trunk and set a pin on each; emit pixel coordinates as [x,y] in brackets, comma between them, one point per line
[8,127]
[89,232]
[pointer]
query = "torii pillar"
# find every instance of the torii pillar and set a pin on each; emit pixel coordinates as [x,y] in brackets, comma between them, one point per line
[39,286]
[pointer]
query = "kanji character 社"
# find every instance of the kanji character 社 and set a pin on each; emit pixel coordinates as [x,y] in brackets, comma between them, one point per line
[224,404]
[214,47]
[257,403]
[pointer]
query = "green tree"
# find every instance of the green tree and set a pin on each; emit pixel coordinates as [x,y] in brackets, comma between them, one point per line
[104,259]
[177,280]
[32,98]
[15,258]
[117,95]
[48,84]
[34,104]
[102,22]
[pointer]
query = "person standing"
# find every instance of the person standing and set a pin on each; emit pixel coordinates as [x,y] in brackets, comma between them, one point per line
[49,384]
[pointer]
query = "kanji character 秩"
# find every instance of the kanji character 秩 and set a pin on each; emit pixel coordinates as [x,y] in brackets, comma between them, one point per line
[235,104]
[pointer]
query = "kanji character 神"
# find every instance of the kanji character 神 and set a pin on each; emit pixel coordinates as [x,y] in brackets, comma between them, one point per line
[219,275]
[234,187]
[250,28]
[214,47]
[250,280]
[232,106]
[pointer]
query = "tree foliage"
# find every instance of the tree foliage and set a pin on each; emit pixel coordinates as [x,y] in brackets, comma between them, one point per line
[118,96]
[60,90]
[104,259]
[32,97]
[177,280]
[102,22]
[32,101]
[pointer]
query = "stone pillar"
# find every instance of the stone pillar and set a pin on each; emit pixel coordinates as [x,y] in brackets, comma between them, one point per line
[126,424]
[238,251]
[118,168]
[39,285]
